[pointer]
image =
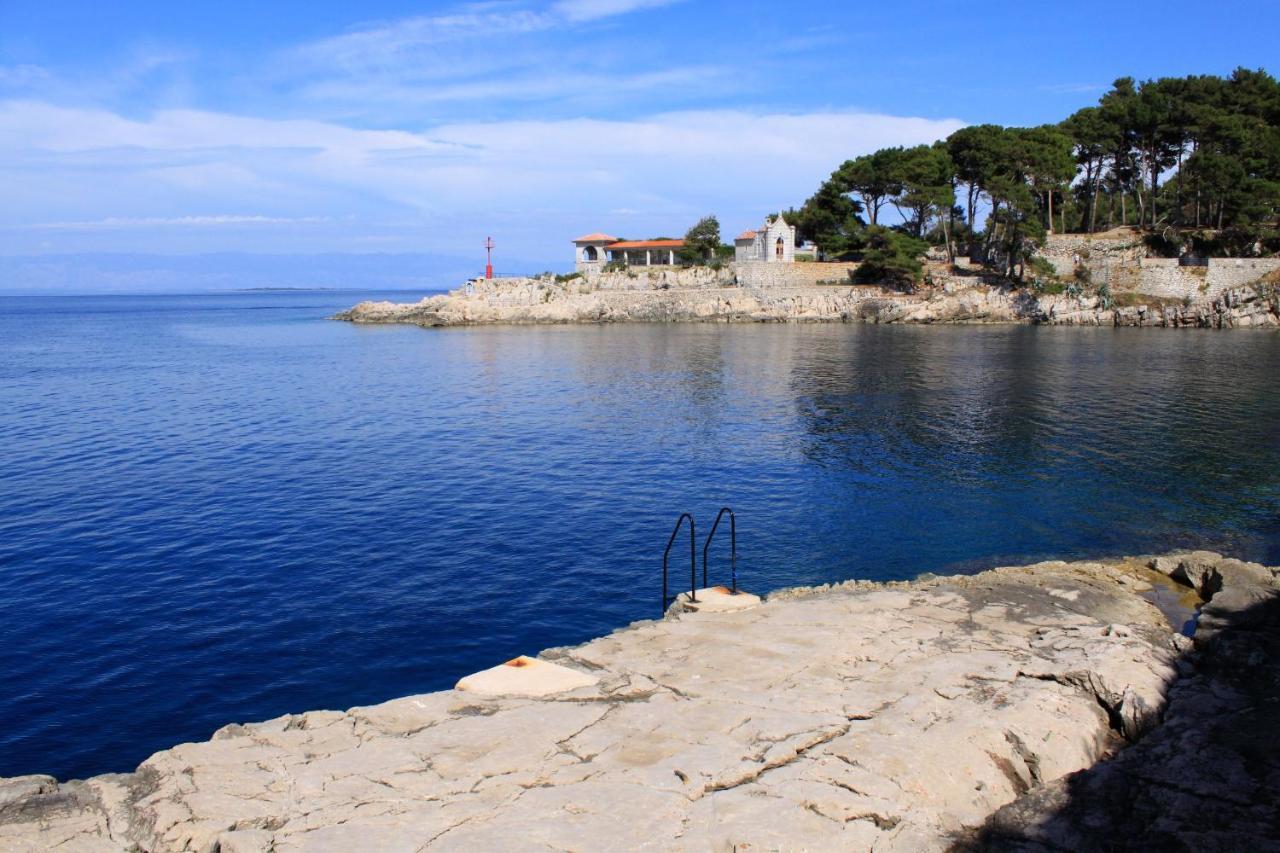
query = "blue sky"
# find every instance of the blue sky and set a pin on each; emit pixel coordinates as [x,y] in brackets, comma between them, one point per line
[316,127]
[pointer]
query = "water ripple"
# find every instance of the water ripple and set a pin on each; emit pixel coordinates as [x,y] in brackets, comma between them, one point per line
[225,508]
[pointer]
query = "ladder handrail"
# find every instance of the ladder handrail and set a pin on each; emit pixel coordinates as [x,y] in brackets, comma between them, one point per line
[693,560]
[733,547]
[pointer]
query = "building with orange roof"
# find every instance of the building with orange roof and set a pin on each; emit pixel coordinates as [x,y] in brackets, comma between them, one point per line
[593,251]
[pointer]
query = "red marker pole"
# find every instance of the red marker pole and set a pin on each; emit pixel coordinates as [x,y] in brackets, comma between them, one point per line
[488,251]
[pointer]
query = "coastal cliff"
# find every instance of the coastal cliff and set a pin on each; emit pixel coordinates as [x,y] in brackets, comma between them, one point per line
[670,297]
[981,712]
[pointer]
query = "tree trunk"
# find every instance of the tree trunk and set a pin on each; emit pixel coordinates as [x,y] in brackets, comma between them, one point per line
[949,225]
[1195,146]
[1088,184]
[1050,197]
[946,232]
[986,243]
[973,207]
[1155,180]
[1181,147]
[1093,208]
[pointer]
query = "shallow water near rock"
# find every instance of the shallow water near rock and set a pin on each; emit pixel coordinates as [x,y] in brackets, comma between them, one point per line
[1179,604]
[225,508]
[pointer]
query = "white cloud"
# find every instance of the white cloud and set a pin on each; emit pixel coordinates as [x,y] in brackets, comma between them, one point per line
[591,10]
[38,125]
[531,181]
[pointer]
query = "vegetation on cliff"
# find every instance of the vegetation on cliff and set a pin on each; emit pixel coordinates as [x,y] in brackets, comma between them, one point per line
[1192,161]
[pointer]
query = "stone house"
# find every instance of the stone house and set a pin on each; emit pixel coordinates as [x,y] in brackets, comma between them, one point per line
[774,242]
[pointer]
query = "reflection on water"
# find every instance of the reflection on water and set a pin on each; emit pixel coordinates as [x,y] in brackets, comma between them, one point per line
[227,508]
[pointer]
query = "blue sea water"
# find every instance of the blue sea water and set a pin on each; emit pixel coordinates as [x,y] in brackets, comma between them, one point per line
[226,508]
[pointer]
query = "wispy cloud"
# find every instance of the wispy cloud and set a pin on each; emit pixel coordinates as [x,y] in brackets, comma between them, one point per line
[592,10]
[383,42]
[493,53]
[536,86]
[383,45]
[16,76]
[114,222]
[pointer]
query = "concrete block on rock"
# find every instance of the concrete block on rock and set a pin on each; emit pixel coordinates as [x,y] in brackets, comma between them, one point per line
[718,599]
[525,676]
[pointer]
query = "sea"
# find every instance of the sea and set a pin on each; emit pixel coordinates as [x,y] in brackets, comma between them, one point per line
[225,508]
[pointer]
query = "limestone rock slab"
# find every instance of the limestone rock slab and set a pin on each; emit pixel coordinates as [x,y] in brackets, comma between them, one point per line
[896,716]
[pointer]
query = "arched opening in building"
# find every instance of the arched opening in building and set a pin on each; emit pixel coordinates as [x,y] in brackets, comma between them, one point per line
[590,254]
[778,249]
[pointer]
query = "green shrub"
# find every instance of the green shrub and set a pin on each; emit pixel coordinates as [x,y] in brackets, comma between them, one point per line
[891,258]
[1040,268]
[561,279]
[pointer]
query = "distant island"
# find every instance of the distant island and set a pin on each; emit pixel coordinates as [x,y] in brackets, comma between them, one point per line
[285,289]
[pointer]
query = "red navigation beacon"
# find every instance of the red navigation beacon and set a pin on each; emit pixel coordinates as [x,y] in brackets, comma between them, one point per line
[488,252]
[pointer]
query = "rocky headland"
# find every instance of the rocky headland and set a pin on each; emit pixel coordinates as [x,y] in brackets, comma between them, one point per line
[675,296]
[1058,706]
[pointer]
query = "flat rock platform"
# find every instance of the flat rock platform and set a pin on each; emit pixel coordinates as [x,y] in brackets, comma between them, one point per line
[947,712]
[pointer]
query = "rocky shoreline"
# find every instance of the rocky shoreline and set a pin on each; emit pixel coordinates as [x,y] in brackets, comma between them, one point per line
[1054,706]
[546,301]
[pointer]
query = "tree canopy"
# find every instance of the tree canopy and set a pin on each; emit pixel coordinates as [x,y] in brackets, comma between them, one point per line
[1197,155]
[702,241]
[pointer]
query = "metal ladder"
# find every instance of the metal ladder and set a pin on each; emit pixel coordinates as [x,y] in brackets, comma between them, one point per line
[693,559]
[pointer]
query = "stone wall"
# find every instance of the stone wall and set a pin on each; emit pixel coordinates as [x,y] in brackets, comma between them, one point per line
[1095,251]
[1164,278]
[1118,259]
[513,291]
[755,274]
[760,274]
[660,278]
[1226,273]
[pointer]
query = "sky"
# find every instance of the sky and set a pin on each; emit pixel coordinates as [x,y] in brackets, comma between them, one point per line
[319,127]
